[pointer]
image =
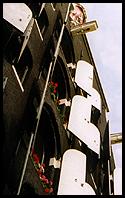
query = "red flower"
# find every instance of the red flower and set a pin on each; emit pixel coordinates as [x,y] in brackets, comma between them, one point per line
[36,158]
[56,84]
[47,190]
[54,91]
[47,181]
[43,177]
[39,173]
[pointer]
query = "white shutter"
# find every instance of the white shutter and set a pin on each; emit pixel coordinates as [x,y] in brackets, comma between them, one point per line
[79,123]
[80,111]
[87,190]
[73,173]
[84,75]
[91,136]
[77,189]
[95,99]
[18,14]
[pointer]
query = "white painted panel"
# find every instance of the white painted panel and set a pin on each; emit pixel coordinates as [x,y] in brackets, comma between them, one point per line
[18,14]
[79,123]
[95,98]
[84,75]
[80,111]
[91,137]
[87,190]
[73,172]
[89,134]
[77,189]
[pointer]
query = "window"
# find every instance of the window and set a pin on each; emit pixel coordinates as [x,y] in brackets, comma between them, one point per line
[60,77]
[12,45]
[11,50]
[47,142]
[47,145]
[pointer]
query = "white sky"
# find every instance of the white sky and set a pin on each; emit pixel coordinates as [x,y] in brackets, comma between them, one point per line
[106,48]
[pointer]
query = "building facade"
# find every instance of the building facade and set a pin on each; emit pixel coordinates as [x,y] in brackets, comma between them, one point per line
[56,132]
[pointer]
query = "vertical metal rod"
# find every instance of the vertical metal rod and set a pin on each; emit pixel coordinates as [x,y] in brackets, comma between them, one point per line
[39,30]
[18,79]
[5,82]
[33,135]
[18,147]
[41,104]
[43,5]
[109,177]
[93,181]
[25,163]
[60,38]
[24,75]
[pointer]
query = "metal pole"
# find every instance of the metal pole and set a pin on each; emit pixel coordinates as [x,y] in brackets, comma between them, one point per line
[42,101]
[43,5]
[25,163]
[60,38]
[18,79]
[109,185]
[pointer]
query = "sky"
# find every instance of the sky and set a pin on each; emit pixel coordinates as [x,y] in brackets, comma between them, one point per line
[106,48]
